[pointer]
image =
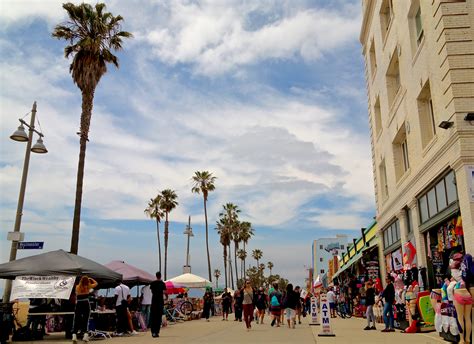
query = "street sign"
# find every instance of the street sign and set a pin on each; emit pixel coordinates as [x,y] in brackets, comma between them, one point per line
[314,312]
[30,245]
[326,330]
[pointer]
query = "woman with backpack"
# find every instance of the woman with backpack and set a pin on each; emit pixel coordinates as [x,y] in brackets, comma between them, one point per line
[275,304]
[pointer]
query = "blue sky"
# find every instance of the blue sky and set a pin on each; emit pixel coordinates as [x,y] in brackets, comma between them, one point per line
[269,96]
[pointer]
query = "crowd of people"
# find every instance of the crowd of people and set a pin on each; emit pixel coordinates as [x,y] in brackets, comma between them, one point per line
[250,304]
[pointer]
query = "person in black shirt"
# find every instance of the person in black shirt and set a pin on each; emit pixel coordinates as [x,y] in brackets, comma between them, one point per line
[389,295]
[157,287]
[369,302]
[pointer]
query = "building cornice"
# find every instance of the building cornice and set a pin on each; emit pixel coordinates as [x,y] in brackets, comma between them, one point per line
[366,20]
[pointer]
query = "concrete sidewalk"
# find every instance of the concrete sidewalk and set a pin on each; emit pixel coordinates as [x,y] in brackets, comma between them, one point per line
[228,332]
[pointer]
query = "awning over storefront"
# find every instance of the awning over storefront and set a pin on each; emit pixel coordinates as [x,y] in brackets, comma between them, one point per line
[371,245]
[351,262]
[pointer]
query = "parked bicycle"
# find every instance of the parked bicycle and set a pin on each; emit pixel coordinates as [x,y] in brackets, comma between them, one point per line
[179,312]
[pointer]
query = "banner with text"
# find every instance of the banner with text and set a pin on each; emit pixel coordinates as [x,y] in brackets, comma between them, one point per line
[326,330]
[314,311]
[50,287]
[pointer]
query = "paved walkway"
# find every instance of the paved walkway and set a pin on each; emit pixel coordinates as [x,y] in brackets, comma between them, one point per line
[218,331]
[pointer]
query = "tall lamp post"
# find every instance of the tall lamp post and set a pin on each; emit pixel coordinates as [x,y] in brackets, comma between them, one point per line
[38,147]
[189,232]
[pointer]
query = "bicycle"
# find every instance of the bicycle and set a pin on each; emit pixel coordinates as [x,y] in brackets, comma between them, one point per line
[343,309]
[179,312]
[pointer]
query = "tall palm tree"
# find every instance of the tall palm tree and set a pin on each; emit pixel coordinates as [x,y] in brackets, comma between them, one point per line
[217,274]
[270,266]
[204,182]
[224,233]
[154,212]
[257,254]
[231,215]
[242,254]
[92,35]
[167,204]
[246,232]
[236,239]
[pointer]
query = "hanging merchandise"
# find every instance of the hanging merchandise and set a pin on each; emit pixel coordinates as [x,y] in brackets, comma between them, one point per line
[458,229]
[409,255]
[397,260]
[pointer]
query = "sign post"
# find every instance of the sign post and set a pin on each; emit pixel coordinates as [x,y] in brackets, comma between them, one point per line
[314,312]
[30,245]
[326,330]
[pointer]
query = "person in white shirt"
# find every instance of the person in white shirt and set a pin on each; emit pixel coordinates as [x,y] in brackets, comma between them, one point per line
[332,302]
[121,306]
[146,296]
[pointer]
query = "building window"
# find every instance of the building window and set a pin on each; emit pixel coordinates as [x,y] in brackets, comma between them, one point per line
[322,271]
[391,234]
[438,197]
[418,26]
[401,152]
[320,247]
[372,58]
[342,247]
[386,16]
[320,259]
[426,115]
[383,179]
[393,78]
[377,117]
[409,223]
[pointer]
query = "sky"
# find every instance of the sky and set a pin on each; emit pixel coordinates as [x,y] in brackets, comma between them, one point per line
[267,95]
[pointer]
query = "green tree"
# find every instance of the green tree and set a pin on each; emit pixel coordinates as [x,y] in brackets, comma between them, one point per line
[242,254]
[167,204]
[257,254]
[204,182]
[224,234]
[270,267]
[246,232]
[217,274]
[154,212]
[230,215]
[92,35]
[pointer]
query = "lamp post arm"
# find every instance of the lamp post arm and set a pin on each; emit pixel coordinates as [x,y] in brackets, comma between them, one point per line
[21,198]
[31,126]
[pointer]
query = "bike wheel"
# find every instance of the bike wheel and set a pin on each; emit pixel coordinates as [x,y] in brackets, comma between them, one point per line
[186,308]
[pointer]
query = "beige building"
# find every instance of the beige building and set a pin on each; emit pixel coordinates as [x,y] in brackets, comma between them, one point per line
[419,57]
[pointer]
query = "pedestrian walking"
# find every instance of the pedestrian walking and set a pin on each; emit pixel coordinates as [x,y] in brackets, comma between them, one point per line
[121,307]
[248,304]
[332,302]
[158,287]
[208,300]
[262,304]
[275,304]
[238,299]
[299,305]
[226,304]
[389,295]
[82,311]
[370,302]
[292,299]
[145,303]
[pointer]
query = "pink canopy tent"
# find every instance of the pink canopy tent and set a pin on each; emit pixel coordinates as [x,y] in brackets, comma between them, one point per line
[131,274]
[174,288]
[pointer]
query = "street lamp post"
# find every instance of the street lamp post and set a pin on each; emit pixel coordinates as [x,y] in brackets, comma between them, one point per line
[20,135]
[189,232]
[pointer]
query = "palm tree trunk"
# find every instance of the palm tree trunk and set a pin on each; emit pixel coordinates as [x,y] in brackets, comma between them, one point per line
[166,244]
[207,243]
[159,244]
[245,272]
[87,103]
[230,268]
[236,248]
[225,264]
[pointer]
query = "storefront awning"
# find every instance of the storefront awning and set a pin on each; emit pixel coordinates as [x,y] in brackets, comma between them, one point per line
[371,245]
[351,261]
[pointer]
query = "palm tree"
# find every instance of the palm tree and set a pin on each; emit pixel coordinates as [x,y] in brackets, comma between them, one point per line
[92,34]
[231,215]
[167,204]
[236,239]
[204,182]
[223,231]
[246,232]
[242,254]
[217,274]
[257,255]
[154,212]
[270,266]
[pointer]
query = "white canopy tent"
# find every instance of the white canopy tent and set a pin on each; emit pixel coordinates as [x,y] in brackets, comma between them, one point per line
[191,281]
